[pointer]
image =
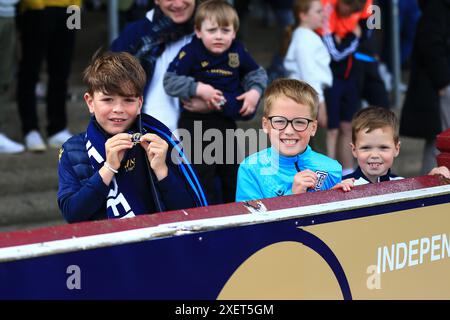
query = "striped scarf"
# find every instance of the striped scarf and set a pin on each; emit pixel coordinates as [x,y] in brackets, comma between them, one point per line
[129,195]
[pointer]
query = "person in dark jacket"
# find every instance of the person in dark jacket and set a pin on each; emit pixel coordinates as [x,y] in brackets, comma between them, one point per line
[126,163]
[426,110]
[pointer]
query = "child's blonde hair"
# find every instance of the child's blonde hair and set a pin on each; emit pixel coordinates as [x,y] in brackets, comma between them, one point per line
[115,73]
[297,90]
[219,11]
[371,118]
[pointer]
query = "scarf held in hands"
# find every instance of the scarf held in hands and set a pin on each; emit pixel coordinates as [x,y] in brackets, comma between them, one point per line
[129,193]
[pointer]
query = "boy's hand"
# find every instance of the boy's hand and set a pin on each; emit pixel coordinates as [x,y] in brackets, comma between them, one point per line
[156,149]
[440,171]
[251,98]
[212,96]
[345,185]
[303,180]
[115,148]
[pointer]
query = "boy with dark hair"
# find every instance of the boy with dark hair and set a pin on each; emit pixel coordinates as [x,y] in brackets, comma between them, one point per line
[103,173]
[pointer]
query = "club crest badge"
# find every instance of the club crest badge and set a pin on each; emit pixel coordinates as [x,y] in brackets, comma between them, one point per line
[130,164]
[233,60]
[321,176]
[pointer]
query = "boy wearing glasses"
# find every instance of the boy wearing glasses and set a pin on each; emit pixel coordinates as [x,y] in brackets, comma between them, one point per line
[289,166]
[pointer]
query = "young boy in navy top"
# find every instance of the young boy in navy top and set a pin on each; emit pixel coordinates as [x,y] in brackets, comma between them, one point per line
[119,167]
[213,65]
[219,70]
[375,145]
[290,166]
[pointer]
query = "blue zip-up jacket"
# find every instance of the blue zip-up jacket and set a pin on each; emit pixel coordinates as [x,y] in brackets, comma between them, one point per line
[82,193]
[267,174]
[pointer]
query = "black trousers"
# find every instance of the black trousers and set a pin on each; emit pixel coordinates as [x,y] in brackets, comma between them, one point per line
[370,84]
[219,178]
[44,36]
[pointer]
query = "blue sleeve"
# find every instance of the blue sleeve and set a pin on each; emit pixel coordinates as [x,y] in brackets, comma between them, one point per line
[131,35]
[248,187]
[174,192]
[333,178]
[79,202]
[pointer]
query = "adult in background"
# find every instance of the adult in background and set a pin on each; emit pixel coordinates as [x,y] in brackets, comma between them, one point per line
[156,40]
[7,54]
[45,36]
[426,111]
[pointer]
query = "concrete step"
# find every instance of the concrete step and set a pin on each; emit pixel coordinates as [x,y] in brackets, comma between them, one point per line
[28,172]
[15,182]
[28,208]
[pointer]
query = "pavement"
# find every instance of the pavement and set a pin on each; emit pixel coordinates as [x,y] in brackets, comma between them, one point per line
[29,181]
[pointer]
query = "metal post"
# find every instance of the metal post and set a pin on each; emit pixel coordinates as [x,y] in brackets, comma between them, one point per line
[113,20]
[396,63]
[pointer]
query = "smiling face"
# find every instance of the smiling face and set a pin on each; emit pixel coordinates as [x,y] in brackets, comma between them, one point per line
[179,11]
[375,151]
[114,113]
[289,142]
[216,39]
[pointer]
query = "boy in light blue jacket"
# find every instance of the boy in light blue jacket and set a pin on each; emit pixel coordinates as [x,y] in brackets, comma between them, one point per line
[289,166]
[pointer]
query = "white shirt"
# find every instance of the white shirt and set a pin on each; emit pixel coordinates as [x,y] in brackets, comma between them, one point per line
[308,59]
[156,102]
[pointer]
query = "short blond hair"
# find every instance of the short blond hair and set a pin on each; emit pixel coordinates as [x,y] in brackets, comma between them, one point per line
[219,11]
[299,91]
[372,118]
